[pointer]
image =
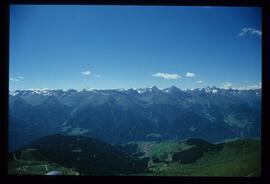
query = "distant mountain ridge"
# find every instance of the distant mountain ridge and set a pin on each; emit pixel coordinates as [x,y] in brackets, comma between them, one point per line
[46,91]
[119,116]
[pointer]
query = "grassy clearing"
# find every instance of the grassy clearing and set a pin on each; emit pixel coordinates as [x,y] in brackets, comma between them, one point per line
[161,150]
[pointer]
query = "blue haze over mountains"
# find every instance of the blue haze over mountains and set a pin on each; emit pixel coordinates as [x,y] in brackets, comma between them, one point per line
[119,116]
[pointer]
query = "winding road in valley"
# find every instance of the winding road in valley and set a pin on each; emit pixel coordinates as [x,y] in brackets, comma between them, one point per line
[23,168]
[27,161]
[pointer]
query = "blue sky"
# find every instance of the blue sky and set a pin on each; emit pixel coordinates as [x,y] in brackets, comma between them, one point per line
[104,47]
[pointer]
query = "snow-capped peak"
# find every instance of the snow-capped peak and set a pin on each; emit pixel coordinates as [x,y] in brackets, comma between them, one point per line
[43,91]
[89,89]
[13,93]
[121,89]
[214,91]
[139,91]
[154,88]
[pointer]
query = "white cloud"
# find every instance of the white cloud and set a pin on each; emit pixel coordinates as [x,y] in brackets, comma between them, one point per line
[87,72]
[199,81]
[167,76]
[248,87]
[255,86]
[189,74]
[227,85]
[14,79]
[250,30]
[98,76]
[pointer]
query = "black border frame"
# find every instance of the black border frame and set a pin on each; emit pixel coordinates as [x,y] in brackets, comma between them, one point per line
[4,91]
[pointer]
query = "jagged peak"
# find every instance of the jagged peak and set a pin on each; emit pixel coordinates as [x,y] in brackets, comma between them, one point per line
[153,88]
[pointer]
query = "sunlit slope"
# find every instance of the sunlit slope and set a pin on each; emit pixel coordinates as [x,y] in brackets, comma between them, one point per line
[199,158]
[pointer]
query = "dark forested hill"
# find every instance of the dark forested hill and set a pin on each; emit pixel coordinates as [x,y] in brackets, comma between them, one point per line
[85,155]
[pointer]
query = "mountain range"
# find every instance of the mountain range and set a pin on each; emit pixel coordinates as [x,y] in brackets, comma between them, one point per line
[118,116]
